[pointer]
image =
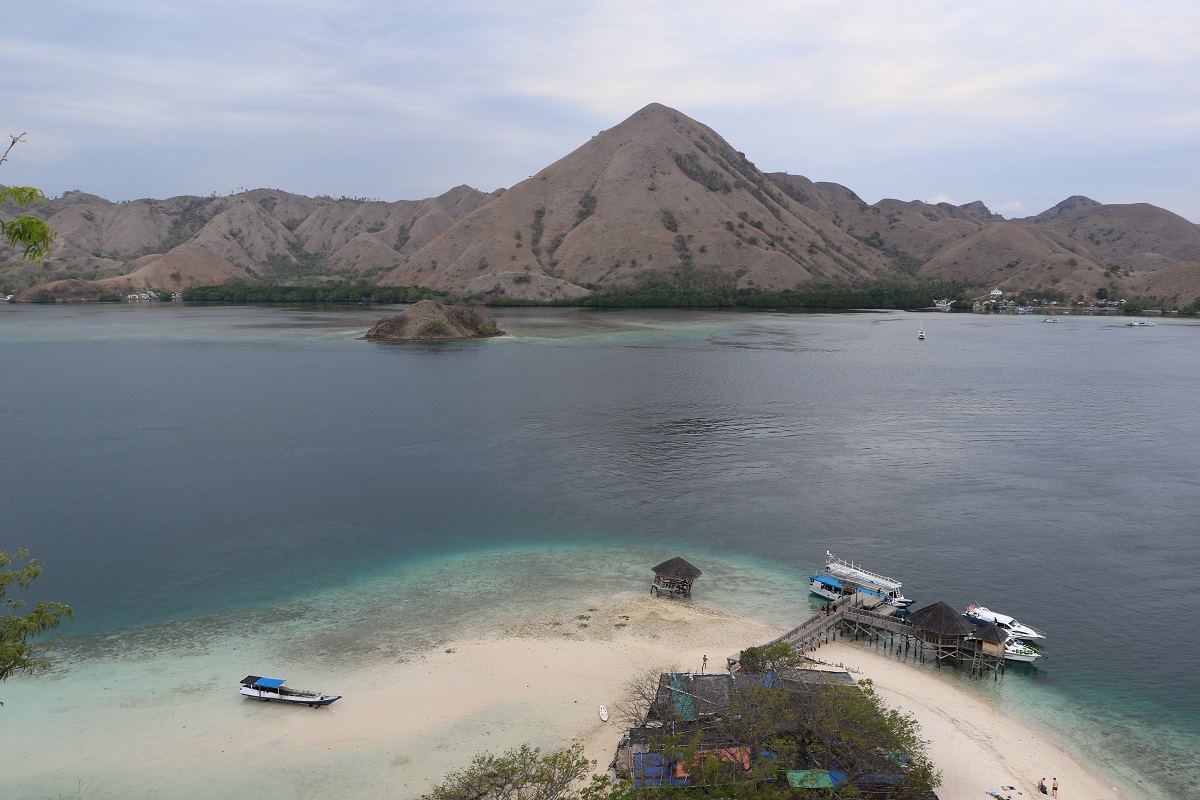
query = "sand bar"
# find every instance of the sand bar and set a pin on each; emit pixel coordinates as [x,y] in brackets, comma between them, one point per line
[171,732]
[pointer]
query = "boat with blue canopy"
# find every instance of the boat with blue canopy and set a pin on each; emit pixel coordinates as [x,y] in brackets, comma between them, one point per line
[839,578]
[261,688]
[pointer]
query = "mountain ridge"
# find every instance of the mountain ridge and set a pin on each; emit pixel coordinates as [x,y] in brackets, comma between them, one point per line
[659,199]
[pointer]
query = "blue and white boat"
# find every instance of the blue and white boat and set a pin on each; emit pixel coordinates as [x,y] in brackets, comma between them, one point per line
[261,688]
[840,578]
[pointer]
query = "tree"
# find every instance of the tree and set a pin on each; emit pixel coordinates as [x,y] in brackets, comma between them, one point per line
[20,650]
[851,730]
[28,233]
[520,774]
[759,660]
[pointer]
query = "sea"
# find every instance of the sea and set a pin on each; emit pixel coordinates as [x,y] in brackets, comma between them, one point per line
[197,478]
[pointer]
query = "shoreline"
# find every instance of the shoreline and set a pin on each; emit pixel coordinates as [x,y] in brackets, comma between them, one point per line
[403,724]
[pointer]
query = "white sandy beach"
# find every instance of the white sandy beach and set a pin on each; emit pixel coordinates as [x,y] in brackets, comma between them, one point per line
[401,726]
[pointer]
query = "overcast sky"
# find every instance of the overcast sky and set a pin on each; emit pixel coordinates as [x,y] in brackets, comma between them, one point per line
[1017,103]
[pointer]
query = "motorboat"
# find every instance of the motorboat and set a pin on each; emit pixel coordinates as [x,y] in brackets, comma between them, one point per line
[1050,319]
[261,688]
[1017,650]
[1139,323]
[840,578]
[979,615]
[920,333]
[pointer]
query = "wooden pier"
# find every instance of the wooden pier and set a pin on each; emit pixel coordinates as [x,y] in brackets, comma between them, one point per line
[866,616]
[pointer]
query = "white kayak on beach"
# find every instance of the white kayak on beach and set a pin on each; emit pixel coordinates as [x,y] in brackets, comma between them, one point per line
[604,713]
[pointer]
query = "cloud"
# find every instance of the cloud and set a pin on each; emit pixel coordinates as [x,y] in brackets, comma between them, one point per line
[901,100]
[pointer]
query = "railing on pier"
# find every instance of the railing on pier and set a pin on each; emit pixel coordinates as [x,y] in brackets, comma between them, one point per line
[856,608]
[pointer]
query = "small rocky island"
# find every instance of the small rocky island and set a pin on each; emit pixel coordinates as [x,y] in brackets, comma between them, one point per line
[431,321]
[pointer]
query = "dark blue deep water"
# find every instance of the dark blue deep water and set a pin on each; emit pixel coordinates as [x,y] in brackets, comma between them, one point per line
[168,461]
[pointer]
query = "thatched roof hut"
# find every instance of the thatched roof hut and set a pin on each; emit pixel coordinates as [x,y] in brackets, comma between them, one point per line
[940,625]
[674,577]
[679,569]
[991,639]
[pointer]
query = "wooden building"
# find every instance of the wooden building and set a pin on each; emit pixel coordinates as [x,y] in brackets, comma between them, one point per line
[674,577]
[942,629]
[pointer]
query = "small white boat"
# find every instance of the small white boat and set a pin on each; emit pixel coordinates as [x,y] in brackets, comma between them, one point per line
[982,616]
[1017,650]
[920,333]
[1139,323]
[261,688]
[1049,319]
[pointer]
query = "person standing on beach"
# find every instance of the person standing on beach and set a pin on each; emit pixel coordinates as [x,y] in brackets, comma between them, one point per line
[1042,786]
[1054,788]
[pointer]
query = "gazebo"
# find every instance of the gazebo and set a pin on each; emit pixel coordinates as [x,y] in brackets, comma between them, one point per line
[942,628]
[674,577]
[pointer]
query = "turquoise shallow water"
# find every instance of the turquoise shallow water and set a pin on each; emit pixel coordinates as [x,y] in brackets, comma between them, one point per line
[184,470]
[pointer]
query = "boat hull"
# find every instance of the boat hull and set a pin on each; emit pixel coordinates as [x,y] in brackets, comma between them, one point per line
[296,698]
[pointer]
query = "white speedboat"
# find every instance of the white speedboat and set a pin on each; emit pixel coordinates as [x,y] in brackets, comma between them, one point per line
[261,688]
[1138,323]
[920,333]
[1017,650]
[982,616]
[1049,319]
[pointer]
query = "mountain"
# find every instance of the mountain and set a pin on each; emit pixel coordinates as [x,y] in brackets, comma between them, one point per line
[658,200]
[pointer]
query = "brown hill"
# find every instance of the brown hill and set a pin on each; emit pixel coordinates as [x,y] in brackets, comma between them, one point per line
[271,233]
[1176,285]
[658,199]
[182,268]
[431,321]
[1136,236]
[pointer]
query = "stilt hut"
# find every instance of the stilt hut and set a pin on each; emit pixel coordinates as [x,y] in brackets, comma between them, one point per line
[942,629]
[674,577]
[989,648]
[991,640]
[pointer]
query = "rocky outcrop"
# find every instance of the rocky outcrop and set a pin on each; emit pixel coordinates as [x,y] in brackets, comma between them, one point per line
[431,321]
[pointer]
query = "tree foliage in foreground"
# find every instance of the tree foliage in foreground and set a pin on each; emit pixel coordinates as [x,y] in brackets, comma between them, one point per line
[520,774]
[836,728]
[20,650]
[29,234]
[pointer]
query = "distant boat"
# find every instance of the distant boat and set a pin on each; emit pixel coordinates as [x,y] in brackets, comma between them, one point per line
[920,333]
[261,688]
[1138,323]
[1049,319]
[979,615]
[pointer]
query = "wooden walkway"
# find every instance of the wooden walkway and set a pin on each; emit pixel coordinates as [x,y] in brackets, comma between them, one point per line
[864,615]
[865,611]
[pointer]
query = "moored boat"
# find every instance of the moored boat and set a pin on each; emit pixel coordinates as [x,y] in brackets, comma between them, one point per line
[261,688]
[840,578]
[1017,650]
[979,615]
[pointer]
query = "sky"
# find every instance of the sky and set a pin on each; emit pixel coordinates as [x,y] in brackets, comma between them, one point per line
[1018,104]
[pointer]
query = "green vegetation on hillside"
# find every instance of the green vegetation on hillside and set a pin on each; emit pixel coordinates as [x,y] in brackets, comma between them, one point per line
[337,292]
[881,296]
